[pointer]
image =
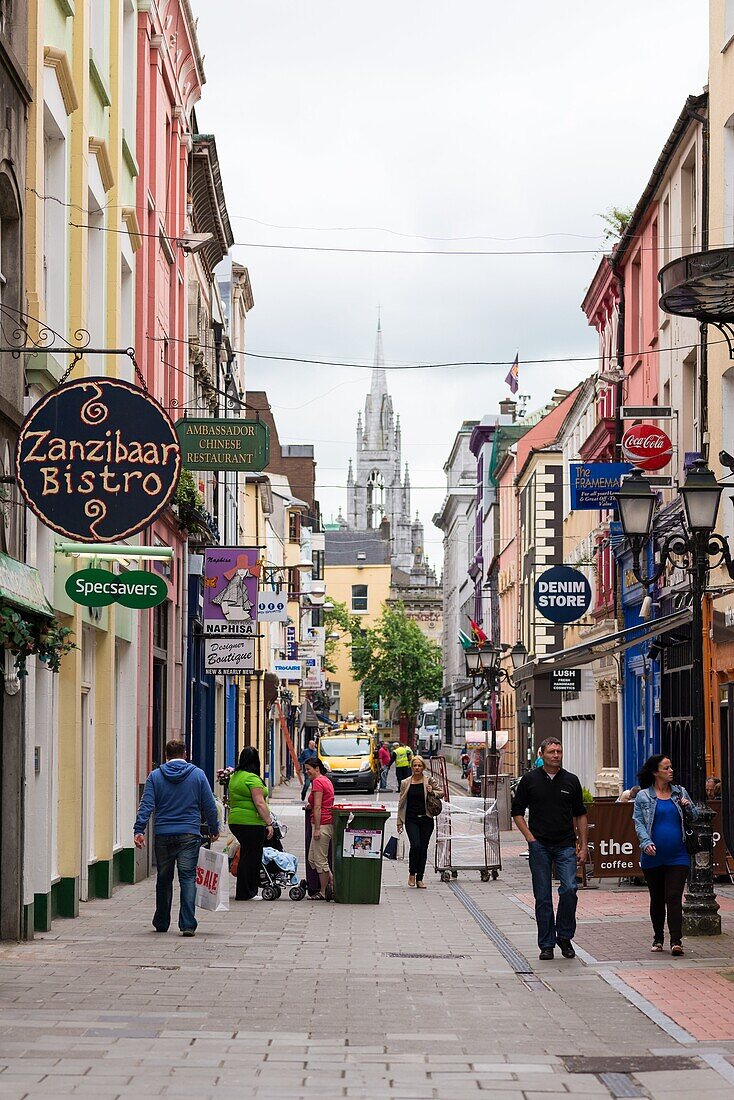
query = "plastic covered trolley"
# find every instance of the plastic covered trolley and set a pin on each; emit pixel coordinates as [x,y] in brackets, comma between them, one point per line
[468,838]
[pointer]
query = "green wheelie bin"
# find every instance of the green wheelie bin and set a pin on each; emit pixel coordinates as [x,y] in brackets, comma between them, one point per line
[359,833]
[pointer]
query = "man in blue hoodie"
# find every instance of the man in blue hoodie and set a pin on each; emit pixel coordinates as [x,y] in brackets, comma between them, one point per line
[180,796]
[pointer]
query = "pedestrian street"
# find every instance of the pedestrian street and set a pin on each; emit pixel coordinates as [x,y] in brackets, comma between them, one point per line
[411,998]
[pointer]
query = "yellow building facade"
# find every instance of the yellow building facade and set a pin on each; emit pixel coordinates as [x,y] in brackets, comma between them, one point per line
[82,233]
[365,590]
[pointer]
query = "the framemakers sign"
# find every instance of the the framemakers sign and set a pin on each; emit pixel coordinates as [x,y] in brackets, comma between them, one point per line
[97,459]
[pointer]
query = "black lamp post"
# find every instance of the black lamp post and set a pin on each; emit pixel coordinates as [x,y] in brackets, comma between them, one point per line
[483,666]
[697,548]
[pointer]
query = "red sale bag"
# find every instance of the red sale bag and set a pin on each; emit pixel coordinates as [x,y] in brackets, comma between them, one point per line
[212,880]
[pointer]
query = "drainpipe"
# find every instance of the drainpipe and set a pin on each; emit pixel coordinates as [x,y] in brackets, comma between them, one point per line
[704,352]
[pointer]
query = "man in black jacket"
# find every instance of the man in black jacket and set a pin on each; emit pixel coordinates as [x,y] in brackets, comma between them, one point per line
[557,814]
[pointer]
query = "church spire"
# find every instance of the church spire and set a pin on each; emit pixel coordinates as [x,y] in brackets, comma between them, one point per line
[378,407]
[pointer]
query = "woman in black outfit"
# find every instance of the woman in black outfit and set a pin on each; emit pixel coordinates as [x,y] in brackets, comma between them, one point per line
[412,815]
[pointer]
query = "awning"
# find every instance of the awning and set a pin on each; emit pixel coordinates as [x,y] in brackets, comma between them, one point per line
[21,586]
[587,652]
[307,716]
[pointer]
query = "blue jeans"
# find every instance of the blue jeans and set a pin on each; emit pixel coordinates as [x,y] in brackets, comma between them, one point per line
[383,777]
[181,849]
[541,858]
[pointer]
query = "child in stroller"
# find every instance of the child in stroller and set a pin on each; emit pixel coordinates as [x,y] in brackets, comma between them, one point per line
[279,869]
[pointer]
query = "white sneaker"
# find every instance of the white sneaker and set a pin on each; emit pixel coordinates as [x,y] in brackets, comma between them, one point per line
[258,897]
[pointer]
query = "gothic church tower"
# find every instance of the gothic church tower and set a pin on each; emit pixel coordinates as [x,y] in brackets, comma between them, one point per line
[379,493]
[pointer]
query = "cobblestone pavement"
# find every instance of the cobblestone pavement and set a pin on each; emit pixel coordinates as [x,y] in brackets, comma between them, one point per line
[293,1000]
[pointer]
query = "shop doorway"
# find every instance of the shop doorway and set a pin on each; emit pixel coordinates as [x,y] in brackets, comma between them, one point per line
[676,704]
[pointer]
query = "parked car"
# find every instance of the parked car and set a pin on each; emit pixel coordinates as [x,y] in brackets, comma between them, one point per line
[350,759]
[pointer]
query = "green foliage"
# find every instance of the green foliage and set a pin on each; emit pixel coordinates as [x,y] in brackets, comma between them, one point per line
[338,620]
[49,641]
[189,504]
[394,660]
[587,796]
[617,219]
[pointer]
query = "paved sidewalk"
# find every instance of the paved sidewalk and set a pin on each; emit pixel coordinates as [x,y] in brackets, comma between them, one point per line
[305,999]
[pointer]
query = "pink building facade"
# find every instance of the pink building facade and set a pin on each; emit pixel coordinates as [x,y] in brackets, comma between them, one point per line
[170,79]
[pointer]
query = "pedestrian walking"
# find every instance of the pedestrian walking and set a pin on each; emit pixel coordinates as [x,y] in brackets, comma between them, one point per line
[385,759]
[250,822]
[179,795]
[557,814]
[464,758]
[413,817]
[307,753]
[321,803]
[403,757]
[659,815]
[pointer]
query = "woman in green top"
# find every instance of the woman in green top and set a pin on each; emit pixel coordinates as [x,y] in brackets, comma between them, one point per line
[250,822]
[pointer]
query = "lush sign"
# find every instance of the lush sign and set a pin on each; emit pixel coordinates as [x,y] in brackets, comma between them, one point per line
[97,459]
[562,594]
[215,444]
[565,679]
[595,484]
[99,587]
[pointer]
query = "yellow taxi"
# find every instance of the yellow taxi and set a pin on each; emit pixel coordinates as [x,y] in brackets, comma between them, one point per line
[350,758]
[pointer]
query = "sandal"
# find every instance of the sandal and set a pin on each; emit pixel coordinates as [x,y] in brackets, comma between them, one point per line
[316,897]
[657,946]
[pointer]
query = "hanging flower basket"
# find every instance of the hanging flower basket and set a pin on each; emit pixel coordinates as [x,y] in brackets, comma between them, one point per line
[31,636]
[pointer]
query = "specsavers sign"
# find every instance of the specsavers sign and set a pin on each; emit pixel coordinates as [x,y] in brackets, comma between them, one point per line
[98,588]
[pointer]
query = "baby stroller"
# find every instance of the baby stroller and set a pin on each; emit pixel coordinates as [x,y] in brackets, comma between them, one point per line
[279,870]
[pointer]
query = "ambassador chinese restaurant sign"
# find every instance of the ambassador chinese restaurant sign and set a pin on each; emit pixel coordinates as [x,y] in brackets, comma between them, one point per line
[220,444]
[97,459]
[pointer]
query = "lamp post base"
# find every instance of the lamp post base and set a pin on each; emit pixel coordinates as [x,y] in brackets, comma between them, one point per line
[700,907]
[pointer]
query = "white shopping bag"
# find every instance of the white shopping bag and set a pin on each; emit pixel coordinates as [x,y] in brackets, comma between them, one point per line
[212,880]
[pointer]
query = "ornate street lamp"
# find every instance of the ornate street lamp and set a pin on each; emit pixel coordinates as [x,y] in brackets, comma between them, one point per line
[697,549]
[483,667]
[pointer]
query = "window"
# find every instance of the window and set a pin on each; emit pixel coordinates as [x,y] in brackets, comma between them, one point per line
[610,742]
[728,21]
[54,217]
[294,526]
[637,306]
[359,597]
[689,203]
[294,582]
[317,573]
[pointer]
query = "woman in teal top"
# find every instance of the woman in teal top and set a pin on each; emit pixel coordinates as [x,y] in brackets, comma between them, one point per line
[249,821]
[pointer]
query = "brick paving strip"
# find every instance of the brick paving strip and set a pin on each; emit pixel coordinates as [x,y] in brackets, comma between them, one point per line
[298,1000]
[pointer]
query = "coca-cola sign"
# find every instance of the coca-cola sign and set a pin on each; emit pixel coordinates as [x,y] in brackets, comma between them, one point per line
[646,447]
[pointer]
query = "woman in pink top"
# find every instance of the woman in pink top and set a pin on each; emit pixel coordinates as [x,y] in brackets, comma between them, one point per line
[321,803]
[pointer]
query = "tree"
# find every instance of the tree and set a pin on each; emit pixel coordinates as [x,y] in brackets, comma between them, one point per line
[395,661]
[617,219]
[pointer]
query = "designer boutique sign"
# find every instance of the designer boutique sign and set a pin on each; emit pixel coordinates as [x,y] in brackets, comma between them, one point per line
[97,459]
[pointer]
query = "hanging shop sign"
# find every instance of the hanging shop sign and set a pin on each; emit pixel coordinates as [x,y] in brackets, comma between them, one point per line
[291,645]
[565,679]
[562,594]
[99,587]
[230,589]
[21,586]
[595,484]
[647,447]
[97,460]
[287,670]
[272,606]
[229,656]
[239,445]
[314,678]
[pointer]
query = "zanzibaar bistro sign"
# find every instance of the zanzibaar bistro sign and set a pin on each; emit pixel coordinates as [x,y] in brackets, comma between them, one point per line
[99,587]
[562,594]
[97,459]
[230,590]
[229,656]
[565,679]
[595,485]
[224,444]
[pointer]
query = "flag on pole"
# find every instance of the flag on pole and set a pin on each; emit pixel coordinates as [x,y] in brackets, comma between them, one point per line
[465,640]
[513,377]
[479,636]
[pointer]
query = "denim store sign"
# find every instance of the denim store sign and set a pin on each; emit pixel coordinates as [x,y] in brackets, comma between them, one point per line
[595,484]
[562,594]
[97,459]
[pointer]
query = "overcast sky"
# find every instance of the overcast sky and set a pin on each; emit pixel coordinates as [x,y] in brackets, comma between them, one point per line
[513,125]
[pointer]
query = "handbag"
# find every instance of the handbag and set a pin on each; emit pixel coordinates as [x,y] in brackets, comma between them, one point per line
[391,848]
[434,805]
[692,842]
